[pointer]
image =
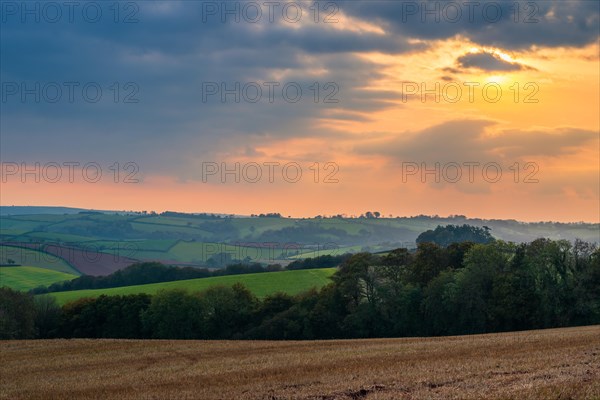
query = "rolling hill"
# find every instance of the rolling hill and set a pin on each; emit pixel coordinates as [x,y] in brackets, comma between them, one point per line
[262,284]
[34,258]
[99,243]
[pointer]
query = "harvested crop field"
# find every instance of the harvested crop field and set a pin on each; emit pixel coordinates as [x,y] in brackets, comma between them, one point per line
[547,364]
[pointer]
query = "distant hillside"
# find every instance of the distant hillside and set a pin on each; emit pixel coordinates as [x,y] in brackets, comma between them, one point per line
[77,225]
[24,210]
[101,242]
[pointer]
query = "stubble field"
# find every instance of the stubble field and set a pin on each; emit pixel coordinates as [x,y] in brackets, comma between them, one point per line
[548,364]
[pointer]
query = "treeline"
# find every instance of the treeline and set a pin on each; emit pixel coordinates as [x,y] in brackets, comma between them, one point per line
[464,288]
[307,231]
[154,272]
[147,272]
[186,215]
[326,261]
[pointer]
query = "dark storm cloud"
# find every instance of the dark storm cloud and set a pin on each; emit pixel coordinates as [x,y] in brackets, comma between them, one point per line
[168,55]
[505,23]
[173,49]
[489,62]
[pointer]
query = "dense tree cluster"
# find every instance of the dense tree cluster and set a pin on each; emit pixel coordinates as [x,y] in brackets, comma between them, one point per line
[446,235]
[463,288]
[326,261]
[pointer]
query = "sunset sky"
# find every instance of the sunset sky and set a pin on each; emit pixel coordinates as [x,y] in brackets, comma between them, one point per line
[518,87]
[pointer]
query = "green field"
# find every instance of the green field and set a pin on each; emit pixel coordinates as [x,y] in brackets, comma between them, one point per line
[25,278]
[262,284]
[34,258]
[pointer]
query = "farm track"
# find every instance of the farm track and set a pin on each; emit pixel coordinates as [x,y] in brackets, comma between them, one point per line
[547,364]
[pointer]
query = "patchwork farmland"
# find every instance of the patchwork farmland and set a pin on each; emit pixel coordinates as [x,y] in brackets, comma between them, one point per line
[83,238]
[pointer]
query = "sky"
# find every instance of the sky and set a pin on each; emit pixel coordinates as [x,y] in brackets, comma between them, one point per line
[487,109]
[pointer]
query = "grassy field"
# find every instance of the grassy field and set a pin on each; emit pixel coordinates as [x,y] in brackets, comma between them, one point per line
[262,284]
[25,278]
[34,258]
[551,365]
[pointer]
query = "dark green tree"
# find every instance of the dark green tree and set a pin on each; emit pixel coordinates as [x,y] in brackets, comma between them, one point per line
[446,235]
[17,315]
[227,311]
[47,316]
[175,314]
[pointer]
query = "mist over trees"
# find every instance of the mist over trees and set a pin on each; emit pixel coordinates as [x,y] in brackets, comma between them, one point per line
[446,235]
[463,288]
